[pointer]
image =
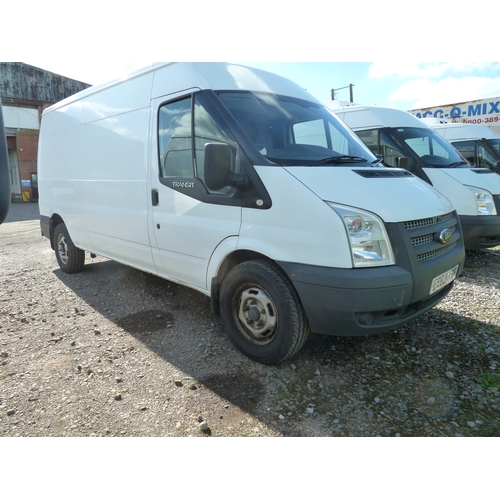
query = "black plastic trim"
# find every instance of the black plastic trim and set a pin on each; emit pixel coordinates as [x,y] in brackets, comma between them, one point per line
[251,193]
[481,231]
[383,173]
[354,302]
[482,171]
[45,226]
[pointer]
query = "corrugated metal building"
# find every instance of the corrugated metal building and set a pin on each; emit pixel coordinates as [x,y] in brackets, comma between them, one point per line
[25,92]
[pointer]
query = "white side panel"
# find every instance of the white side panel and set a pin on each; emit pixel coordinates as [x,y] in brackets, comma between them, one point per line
[94,170]
[187,232]
[61,160]
[462,198]
[116,187]
[489,181]
[299,227]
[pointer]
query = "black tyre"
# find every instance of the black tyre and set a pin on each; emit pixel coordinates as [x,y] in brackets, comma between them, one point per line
[262,313]
[70,259]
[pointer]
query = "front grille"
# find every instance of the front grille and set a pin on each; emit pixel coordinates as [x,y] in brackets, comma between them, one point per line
[424,236]
[421,240]
[431,221]
[424,257]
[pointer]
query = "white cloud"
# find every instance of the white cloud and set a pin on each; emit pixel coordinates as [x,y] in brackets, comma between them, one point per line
[425,93]
[427,70]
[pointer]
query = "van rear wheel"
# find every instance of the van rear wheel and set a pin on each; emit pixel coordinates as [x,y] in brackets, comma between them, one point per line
[70,259]
[262,313]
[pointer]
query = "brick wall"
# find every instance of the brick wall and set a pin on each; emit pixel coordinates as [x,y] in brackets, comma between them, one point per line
[27,149]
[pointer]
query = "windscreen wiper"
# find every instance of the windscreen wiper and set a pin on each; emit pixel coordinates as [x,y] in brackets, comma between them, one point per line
[457,163]
[335,160]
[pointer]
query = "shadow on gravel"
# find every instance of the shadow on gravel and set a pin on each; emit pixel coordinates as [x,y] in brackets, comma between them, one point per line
[171,320]
[398,383]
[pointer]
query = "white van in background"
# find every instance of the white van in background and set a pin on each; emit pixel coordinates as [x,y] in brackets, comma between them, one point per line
[406,141]
[238,183]
[478,144]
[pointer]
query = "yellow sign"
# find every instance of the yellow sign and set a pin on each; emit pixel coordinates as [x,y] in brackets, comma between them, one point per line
[26,196]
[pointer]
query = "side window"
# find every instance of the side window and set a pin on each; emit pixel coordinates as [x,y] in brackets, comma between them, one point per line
[390,150]
[370,138]
[206,130]
[175,142]
[340,142]
[184,128]
[485,159]
[466,149]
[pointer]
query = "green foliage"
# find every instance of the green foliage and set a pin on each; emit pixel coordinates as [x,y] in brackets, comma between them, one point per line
[489,380]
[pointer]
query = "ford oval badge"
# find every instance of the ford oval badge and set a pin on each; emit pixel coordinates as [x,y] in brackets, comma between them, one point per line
[445,236]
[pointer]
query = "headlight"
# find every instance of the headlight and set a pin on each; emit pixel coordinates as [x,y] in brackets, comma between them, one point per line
[484,200]
[370,245]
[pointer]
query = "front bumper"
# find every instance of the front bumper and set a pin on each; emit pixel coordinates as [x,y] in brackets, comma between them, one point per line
[354,302]
[480,231]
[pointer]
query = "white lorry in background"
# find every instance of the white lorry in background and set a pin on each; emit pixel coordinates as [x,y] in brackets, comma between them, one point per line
[406,141]
[478,144]
[238,183]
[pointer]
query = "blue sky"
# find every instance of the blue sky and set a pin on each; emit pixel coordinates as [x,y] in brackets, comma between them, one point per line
[322,46]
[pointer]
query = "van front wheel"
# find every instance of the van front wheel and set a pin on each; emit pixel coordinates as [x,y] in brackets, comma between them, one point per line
[262,313]
[70,259]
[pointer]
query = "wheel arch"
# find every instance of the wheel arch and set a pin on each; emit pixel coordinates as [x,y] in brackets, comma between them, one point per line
[230,261]
[55,219]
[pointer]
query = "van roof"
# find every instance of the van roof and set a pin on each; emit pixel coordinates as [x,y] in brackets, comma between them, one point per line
[176,76]
[368,117]
[459,131]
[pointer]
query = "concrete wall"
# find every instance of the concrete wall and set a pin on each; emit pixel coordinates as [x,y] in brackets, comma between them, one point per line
[22,81]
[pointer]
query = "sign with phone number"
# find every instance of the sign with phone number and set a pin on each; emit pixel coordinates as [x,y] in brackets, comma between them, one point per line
[492,119]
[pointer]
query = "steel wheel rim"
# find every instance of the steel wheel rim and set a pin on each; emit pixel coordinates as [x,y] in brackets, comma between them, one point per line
[257,314]
[62,249]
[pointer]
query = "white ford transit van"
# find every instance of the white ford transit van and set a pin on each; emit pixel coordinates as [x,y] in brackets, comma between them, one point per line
[478,144]
[406,141]
[239,184]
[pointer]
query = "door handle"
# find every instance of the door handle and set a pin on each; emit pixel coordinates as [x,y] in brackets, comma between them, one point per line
[155,197]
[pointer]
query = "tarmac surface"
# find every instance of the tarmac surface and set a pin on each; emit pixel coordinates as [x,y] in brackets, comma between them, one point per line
[22,211]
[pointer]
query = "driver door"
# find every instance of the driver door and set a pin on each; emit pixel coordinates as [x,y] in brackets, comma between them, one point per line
[187,221]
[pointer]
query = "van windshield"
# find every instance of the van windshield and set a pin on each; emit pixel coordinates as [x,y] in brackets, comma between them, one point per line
[429,146]
[289,131]
[495,143]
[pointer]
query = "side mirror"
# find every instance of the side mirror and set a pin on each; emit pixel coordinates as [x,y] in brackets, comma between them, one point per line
[218,162]
[411,166]
[406,163]
[4,172]
[497,167]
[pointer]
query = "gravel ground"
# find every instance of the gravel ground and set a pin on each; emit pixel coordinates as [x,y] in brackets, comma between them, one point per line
[116,352]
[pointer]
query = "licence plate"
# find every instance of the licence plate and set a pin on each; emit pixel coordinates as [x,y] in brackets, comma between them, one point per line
[443,279]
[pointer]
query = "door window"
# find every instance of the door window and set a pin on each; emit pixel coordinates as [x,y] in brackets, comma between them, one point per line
[184,128]
[175,143]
